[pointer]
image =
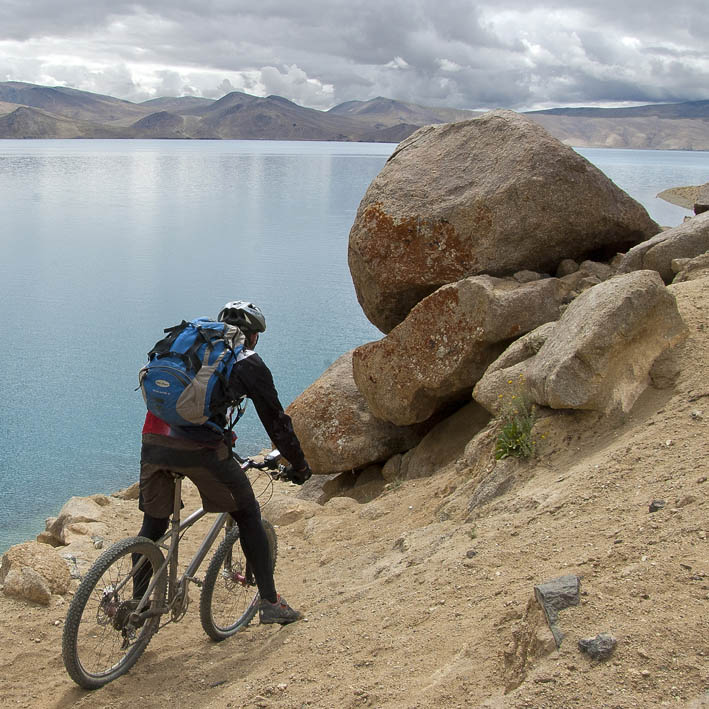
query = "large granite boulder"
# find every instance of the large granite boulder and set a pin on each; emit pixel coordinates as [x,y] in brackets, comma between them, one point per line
[496,195]
[599,355]
[336,428]
[435,357]
[689,239]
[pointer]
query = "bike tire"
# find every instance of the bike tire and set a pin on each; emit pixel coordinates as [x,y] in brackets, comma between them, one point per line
[230,597]
[98,644]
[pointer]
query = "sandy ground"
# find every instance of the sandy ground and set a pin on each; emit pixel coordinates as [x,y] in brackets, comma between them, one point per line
[408,609]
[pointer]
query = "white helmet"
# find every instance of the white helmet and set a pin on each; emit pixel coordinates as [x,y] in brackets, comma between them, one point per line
[246,316]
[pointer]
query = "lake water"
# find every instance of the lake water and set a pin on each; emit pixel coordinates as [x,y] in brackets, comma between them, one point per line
[104,243]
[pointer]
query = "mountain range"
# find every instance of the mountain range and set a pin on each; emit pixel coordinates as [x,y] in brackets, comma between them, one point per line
[34,111]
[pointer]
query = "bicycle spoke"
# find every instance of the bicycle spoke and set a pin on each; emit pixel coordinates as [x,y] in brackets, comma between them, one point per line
[229,596]
[100,643]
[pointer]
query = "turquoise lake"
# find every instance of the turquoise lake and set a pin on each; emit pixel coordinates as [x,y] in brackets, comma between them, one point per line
[105,243]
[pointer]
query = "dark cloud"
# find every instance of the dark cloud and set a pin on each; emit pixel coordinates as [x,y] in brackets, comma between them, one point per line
[437,52]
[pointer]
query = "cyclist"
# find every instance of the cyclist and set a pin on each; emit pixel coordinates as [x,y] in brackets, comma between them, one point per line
[202,455]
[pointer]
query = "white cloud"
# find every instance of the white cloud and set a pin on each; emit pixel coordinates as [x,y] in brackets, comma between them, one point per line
[448,65]
[294,83]
[397,63]
[446,52]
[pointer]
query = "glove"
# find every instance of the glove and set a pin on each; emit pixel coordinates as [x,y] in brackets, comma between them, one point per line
[297,476]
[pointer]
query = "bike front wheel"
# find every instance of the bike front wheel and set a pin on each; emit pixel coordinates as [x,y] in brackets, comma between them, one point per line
[100,642]
[230,597]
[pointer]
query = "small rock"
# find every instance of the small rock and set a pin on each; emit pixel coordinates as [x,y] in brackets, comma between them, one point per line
[401,544]
[566,268]
[600,647]
[73,566]
[527,276]
[656,505]
[553,596]
[697,415]
[701,480]
[470,553]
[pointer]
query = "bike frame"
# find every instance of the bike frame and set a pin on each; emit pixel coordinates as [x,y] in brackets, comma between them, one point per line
[176,588]
[177,528]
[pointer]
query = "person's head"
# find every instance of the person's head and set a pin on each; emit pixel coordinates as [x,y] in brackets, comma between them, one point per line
[247,317]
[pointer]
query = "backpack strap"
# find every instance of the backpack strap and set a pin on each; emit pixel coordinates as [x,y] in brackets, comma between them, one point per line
[162,347]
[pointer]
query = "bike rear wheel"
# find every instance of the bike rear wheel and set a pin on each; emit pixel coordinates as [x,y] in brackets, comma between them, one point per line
[99,642]
[230,597]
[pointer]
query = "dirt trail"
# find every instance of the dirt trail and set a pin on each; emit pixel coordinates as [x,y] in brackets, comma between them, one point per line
[406,609]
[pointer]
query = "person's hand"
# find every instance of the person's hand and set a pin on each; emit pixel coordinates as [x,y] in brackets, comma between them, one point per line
[297,476]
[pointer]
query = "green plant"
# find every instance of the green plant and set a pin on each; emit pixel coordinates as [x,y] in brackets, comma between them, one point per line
[515,439]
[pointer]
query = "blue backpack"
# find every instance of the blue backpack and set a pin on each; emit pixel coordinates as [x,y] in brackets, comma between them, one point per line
[184,368]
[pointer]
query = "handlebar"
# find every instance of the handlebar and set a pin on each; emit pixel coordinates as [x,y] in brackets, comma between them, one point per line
[270,464]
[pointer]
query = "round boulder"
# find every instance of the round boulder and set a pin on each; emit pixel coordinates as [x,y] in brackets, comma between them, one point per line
[496,195]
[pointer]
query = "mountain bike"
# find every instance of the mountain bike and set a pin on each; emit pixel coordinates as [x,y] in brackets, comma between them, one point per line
[107,629]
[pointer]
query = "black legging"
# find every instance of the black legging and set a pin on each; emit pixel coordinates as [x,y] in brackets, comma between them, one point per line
[252,537]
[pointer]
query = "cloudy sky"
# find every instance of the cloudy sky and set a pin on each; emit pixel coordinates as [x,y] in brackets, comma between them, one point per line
[516,54]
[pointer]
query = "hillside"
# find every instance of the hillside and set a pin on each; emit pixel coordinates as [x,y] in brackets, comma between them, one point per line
[69,113]
[646,133]
[412,602]
[70,103]
[35,123]
[385,112]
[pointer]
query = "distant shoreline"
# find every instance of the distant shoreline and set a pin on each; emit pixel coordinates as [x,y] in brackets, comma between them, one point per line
[373,142]
[31,111]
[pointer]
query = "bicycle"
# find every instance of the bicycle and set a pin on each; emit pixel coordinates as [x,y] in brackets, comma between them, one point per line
[107,630]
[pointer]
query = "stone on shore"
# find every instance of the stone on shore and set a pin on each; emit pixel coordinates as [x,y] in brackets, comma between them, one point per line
[79,517]
[496,195]
[34,571]
[688,240]
[337,429]
[435,357]
[600,353]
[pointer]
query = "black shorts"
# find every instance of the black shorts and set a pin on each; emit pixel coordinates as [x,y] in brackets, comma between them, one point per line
[222,484]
